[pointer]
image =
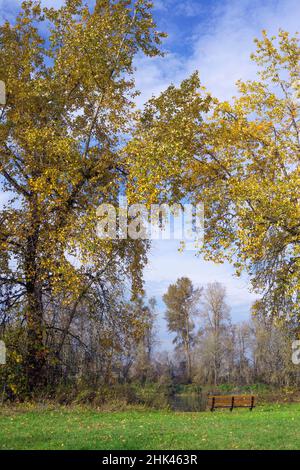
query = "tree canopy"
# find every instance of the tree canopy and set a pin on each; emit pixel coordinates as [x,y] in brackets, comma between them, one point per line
[241,158]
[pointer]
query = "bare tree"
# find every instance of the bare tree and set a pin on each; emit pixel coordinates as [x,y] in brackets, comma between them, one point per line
[243,344]
[215,313]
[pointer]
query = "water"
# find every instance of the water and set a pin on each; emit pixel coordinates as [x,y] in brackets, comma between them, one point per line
[188,402]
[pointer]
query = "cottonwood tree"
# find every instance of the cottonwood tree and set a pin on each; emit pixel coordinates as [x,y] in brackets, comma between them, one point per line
[182,302]
[241,158]
[70,91]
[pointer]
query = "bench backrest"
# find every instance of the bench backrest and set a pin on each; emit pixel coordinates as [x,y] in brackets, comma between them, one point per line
[231,401]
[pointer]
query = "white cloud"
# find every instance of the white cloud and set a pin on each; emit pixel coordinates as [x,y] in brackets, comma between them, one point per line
[220,46]
[155,75]
[223,54]
[166,264]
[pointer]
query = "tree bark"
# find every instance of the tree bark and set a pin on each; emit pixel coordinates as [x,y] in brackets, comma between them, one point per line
[35,344]
[187,349]
[35,360]
[189,363]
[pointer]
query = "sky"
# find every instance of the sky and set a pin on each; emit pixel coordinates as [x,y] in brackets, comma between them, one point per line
[215,38]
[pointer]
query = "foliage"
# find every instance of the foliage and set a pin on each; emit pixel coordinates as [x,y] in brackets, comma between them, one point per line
[70,92]
[13,377]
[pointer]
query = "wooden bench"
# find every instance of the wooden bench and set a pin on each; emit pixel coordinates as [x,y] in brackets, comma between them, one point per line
[231,401]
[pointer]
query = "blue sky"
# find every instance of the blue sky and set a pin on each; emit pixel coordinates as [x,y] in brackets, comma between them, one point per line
[215,38]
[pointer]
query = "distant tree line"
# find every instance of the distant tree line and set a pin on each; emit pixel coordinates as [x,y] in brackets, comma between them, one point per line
[114,340]
[210,349]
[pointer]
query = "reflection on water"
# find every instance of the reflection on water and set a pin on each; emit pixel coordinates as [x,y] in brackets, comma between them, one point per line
[188,402]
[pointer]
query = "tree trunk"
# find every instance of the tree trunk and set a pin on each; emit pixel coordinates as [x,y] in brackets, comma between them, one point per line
[188,361]
[35,344]
[189,364]
[216,355]
[34,315]
[187,349]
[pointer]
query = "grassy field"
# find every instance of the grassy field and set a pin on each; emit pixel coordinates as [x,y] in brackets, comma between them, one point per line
[266,427]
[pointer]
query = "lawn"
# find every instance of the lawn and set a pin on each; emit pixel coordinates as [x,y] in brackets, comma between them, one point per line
[266,427]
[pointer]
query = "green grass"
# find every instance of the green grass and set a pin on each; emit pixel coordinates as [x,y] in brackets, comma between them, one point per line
[266,427]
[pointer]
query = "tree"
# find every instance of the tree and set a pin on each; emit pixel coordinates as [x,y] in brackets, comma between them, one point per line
[216,317]
[69,105]
[241,158]
[244,344]
[144,352]
[271,352]
[181,301]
